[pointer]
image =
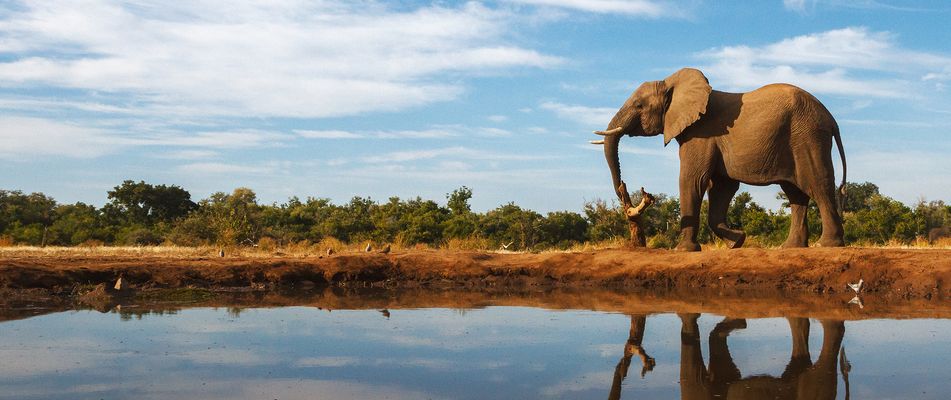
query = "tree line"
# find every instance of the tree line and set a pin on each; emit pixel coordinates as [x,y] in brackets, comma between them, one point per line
[139,213]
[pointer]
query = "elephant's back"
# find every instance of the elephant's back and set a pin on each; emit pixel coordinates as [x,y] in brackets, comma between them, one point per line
[770,124]
[786,97]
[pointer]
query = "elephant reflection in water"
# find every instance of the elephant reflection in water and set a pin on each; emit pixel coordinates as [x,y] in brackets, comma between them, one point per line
[633,346]
[802,378]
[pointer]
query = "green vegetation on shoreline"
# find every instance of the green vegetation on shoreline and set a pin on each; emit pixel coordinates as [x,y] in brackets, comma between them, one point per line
[144,214]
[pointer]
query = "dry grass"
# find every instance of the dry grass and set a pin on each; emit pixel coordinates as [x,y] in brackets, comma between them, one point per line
[270,248]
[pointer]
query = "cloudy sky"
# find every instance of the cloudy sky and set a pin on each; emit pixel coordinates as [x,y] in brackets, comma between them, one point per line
[342,98]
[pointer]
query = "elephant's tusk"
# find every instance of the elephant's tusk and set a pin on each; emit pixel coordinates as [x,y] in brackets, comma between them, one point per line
[597,142]
[609,132]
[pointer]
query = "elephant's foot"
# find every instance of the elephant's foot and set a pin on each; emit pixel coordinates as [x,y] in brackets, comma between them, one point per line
[792,243]
[688,245]
[831,242]
[734,239]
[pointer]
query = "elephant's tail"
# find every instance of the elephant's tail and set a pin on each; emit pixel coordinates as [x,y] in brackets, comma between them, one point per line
[841,191]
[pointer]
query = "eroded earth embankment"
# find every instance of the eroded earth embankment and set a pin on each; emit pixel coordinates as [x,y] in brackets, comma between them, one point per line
[887,273]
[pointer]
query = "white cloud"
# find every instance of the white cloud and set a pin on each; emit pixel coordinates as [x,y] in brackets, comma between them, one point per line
[452,152]
[327,361]
[212,168]
[497,118]
[289,59]
[851,61]
[188,154]
[245,138]
[795,5]
[434,133]
[493,132]
[645,8]
[804,6]
[332,134]
[27,138]
[594,116]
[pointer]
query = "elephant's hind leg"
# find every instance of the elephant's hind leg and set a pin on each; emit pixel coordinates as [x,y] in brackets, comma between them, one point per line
[798,228]
[721,192]
[832,232]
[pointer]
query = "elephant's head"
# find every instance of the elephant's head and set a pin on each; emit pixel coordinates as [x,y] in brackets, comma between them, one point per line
[668,106]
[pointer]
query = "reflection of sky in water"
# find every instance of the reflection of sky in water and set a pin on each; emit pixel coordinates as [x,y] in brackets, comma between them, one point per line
[499,352]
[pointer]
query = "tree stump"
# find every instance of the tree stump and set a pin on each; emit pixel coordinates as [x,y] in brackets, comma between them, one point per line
[633,213]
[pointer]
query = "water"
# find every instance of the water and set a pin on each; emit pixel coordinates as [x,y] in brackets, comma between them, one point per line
[443,353]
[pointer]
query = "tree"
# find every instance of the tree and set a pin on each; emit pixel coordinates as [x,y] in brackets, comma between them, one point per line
[224,219]
[882,219]
[932,215]
[350,222]
[604,221]
[26,217]
[510,224]
[77,223]
[145,204]
[562,229]
[462,222]
[458,201]
[857,195]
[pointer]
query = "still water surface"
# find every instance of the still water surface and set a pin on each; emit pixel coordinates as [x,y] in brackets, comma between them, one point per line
[495,352]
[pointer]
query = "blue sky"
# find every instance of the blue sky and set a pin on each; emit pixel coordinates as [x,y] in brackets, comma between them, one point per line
[342,98]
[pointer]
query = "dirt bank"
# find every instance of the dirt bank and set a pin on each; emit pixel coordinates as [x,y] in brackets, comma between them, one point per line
[888,273]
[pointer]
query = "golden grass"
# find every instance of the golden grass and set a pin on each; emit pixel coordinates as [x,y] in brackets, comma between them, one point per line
[270,248]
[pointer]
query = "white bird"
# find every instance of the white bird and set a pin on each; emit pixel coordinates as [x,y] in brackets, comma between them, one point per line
[857,287]
[330,251]
[369,248]
[506,246]
[857,300]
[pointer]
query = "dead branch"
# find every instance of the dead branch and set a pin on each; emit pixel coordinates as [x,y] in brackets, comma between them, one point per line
[633,213]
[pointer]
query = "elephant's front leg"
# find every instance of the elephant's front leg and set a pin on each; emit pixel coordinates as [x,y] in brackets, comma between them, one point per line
[692,186]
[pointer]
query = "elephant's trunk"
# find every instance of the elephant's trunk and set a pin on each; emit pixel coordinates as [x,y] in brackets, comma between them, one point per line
[612,139]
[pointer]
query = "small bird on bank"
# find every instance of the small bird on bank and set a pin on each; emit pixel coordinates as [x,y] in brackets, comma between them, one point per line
[120,285]
[857,287]
[385,250]
[369,248]
[221,253]
[330,251]
[506,246]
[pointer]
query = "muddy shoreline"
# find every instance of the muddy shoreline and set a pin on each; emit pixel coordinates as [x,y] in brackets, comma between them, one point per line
[888,274]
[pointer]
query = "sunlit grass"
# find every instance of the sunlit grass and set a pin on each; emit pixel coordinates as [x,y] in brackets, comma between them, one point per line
[270,248]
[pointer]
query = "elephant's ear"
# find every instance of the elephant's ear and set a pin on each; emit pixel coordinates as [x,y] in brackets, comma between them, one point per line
[689,91]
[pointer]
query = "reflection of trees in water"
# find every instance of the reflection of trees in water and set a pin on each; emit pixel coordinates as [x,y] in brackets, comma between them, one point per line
[235,312]
[129,314]
[722,379]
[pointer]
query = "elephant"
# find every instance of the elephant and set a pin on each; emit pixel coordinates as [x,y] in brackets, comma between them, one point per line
[777,134]
[802,378]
